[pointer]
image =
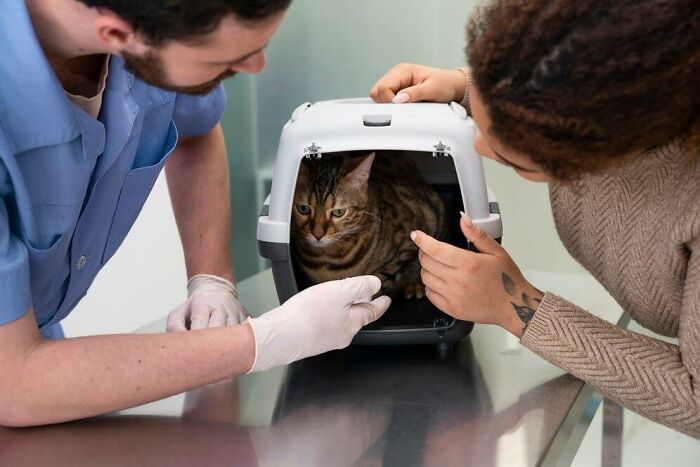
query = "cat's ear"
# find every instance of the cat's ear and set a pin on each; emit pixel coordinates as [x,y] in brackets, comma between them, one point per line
[360,174]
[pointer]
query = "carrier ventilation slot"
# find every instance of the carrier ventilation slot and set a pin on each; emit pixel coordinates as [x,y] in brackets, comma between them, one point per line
[376,120]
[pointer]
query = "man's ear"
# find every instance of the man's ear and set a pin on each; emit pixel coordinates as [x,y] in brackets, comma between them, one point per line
[118,35]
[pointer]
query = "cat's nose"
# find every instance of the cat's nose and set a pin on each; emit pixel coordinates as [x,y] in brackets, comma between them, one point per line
[318,231]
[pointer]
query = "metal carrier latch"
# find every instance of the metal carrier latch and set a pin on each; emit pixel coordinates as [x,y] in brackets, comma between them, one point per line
[312,152]
[441,150]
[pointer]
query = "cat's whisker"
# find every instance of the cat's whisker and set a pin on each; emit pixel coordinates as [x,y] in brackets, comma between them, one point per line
[348,233]
[341,240]
[359,229]
[373,215]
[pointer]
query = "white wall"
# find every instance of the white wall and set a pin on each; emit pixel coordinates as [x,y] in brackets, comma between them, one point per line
[144,280]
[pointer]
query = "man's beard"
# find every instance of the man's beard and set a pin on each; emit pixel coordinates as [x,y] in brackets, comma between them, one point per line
[150,69]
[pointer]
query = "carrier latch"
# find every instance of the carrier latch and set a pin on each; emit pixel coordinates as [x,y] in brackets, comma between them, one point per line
[441,149]
[313,151]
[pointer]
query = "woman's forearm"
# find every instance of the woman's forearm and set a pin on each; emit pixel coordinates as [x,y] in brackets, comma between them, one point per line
[646,375]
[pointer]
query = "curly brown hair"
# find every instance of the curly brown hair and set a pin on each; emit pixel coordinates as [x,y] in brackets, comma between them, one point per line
[580,84]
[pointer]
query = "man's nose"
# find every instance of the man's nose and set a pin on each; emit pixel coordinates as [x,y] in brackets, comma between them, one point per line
[253,64]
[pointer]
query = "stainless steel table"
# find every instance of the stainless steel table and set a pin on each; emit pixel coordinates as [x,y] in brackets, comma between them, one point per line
[492,402]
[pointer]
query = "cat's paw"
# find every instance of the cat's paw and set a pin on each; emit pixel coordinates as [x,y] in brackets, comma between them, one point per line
[416,291]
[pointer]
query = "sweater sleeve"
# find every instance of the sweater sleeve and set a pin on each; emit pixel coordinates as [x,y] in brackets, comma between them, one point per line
[468,84]
[651,377]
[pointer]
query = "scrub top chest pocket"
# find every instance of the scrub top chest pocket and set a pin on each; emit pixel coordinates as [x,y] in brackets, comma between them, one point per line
[53,183]
[137,186]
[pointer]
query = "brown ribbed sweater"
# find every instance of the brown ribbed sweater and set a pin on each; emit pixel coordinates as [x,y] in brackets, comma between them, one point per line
[636,229]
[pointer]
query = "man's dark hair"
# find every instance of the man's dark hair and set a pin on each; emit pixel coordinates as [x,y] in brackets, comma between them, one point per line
[163,20]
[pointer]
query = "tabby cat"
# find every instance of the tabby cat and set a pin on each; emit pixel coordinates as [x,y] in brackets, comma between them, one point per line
[353,214]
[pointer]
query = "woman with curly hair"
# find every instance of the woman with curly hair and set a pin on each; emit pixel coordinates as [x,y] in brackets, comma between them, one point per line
[602,101]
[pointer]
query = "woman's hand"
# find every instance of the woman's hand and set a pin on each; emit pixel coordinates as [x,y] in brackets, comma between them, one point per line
[412,83]
[485,287]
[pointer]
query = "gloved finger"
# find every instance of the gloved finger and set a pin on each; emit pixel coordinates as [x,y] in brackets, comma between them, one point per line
[358,289]
[239,315]
[217,318]
[364,313]
[234,318]
[177,318]
[199,316]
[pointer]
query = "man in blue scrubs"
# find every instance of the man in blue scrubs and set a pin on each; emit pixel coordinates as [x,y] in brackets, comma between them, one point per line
[96,96]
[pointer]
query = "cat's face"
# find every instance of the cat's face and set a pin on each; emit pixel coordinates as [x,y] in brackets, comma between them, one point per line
[330,200]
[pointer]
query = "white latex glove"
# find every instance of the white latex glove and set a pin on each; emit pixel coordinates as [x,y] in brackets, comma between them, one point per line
[212,302]
[321,318]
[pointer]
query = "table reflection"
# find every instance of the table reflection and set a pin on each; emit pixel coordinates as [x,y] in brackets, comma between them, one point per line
[366,406]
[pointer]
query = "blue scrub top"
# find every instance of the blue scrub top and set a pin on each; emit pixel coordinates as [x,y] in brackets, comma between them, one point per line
[71,186]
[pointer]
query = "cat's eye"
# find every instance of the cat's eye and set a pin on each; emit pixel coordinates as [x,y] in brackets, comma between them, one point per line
[304,209]
[340,212]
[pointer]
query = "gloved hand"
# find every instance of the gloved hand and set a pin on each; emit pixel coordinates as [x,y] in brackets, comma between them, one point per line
[212,302]
[321,318]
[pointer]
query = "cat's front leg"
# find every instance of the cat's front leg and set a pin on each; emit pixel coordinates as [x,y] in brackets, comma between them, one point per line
[414,285]
[391,278]
[416,290]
